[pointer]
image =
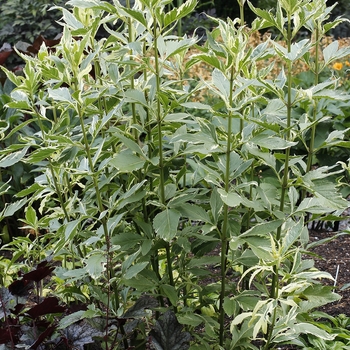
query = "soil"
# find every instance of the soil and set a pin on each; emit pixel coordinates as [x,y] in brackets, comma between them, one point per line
[334,257]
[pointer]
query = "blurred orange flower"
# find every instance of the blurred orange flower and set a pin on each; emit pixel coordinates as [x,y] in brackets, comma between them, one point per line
[347,63]
[337,65]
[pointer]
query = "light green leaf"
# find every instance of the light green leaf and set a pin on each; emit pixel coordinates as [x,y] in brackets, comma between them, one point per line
[221,83]
[95,264]
[271,142]
[60,94]
[71,229]
[126,161]
[190,319]
[196,105]
[133,270]
[262,229]
[135,96]
[179,12]
[308,328]
[231,199]
[40,154]
[13,158]
[11,208]
[194,212]
[166,223]
[19,100]
[170,292]
[70,19]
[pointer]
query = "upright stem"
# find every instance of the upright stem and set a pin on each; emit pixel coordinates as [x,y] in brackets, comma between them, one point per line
[314,112]
[109,268]
[289,104]
[160,145]
[224,235]
[132,83]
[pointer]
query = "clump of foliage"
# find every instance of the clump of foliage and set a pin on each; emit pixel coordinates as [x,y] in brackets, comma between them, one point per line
[136,181]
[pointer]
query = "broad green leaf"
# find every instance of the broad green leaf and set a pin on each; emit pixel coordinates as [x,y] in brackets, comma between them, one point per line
[194,212]
[308,328]
[71,229]
[11,208]
[292,235]
[210,59]
[179,12]
[221,83]
[216,204]
[31,217]
[126,161]
[19,100]
[166,223]
[271,142]
[40,154]
[190,319]
[127,141]
[317,295]
[136,15]
[71,20]
[262,229]
[60,94]
[232,199]
[13,158]
[135,96]
[196,105]
[95,264]
[133,270]
[206,260]
[170,292]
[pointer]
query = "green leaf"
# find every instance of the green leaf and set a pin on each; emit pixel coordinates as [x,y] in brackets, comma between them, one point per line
[221,83]
[40,154]
[190,319]
[317,295]
[126,161]
[271,142]
[13,158]
[194,212]
[60,94]
[138,16]
[134,270]
[166,223]
[11,208]
[95,264]
[170,292]
[179,12]
[232,199]
[196,105]
[70,19]
[308,328]
[262,229]
[71,229]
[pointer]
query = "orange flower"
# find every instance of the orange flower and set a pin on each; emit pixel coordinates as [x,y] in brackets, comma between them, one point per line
[337,65]
[347,63]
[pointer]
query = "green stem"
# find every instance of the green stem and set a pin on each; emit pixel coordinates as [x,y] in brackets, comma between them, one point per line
[314,114]
[132,83]
[241,11]
[224,235]
[109,266]
[179,23]
[160,145]
[289,104]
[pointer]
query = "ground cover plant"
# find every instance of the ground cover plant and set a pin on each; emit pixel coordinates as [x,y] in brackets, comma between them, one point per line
[135,181]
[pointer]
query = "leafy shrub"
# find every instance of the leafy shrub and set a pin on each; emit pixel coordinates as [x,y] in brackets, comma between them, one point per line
[146,190]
